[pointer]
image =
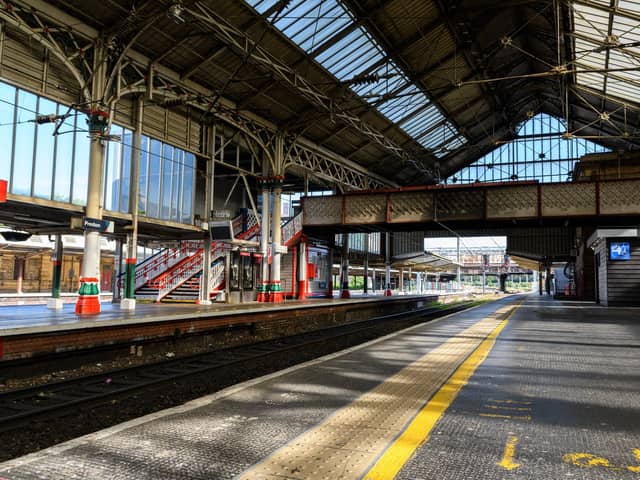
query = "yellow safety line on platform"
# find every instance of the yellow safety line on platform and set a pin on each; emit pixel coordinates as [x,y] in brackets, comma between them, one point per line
[397,455]
[509,454]
[346,444]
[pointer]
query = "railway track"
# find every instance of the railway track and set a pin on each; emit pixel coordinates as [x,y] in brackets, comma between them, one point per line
[61,398]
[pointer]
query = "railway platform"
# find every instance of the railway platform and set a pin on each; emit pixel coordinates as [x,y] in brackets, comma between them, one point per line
[29,331]
[522,388]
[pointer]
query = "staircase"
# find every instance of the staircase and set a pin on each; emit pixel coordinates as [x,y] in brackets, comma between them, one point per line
[154,266]
[189,291]
[292,230]
[185,274]
[181,282]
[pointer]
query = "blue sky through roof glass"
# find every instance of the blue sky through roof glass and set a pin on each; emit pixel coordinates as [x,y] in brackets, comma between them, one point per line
[326,29]
[547,157]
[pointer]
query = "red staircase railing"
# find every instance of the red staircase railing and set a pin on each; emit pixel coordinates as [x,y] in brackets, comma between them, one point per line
[180,273]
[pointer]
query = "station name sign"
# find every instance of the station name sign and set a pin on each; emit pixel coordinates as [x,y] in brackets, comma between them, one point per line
[92,224]
[96,225]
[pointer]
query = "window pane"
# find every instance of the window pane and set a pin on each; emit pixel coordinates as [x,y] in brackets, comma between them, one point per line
[64,160]
[45,149]
[7,101]
[155,160]
[112,172]
[144,178]
[25,137]
[167,175]
[125,175]
[178,174]
[81,167]
[189,179]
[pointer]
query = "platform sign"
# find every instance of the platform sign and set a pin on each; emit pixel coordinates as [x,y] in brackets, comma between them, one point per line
[97,225]
[619,251]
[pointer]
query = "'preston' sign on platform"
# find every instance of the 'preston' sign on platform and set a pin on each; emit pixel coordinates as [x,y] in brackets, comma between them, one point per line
[97,225]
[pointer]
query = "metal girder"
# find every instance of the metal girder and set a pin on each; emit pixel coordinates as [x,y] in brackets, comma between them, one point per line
[325,166]
[242,43]
[29,21]
[135,73]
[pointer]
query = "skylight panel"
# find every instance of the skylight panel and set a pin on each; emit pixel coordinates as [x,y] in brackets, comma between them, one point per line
[262,5]
[350,55]
[391,79]
[629,5]
[621,89]
[627,31]
[591,22]
[586,56]
[592,80]
[439,136]
[349,51]
[395,109]
[454,144]
[423,121]
[316,24]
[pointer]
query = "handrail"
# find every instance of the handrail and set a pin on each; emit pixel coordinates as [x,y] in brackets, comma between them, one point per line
[218,250]
[192,265]
[291,230]
[153,266]
[179,275]
[217,275]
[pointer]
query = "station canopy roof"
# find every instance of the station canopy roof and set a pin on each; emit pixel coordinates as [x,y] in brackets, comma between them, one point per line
[424,262]
[413,90]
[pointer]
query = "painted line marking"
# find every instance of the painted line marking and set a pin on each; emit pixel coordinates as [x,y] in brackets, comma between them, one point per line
[589,460]
[348,442]
[636,453]
[509,454]
[511,409]
[492,400]
[418,431]
[510,417]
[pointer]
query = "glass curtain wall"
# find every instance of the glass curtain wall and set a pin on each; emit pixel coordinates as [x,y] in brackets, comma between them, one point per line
[539,152]
[56,167]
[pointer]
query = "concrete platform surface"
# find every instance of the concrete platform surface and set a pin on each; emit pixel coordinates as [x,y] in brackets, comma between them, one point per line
[550,390]
[22,319]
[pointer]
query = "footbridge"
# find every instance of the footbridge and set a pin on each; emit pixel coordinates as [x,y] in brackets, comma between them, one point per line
[477,206]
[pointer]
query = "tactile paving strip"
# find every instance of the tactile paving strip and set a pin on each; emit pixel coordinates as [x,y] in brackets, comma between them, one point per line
[348,442]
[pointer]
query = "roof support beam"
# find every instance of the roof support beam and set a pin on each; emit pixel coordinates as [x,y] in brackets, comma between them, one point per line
[247,46]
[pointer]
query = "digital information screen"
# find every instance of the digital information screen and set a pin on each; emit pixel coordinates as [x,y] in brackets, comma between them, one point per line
[619,251]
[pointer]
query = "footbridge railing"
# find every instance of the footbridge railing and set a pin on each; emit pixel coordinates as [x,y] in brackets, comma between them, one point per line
[476,202]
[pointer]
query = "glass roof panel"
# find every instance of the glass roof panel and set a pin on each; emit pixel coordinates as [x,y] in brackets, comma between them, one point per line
[438,137]
[403,104]
[390,79]
[424,120]
[451,146]
[349,52]
[606,39]
[630,5]
[539,152]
